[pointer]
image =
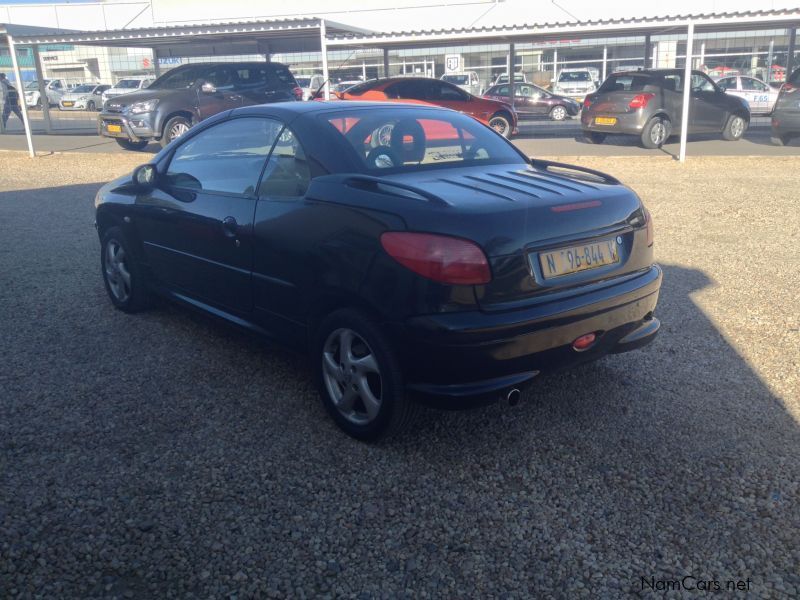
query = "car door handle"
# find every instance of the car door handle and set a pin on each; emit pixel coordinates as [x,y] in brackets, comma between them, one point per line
[229,226]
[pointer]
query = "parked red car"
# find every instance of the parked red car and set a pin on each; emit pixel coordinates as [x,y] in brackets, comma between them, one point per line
[500,116]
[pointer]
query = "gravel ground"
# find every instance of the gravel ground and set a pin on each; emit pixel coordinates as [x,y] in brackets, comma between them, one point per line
[163,455]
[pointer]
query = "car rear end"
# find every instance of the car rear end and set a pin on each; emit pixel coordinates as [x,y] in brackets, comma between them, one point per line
[284,84]
[570,280]
[623,104]
[786,115]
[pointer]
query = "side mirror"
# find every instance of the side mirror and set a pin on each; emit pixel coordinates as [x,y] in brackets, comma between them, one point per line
[144,176]
[208,88]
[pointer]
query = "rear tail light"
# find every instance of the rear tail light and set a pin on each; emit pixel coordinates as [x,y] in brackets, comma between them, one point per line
[298,92]
[641,100]
[441,258]
[649,225]
[587,102]
[788,87]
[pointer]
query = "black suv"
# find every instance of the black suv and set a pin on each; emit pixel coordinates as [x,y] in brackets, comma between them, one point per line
[648,104]
[190,93]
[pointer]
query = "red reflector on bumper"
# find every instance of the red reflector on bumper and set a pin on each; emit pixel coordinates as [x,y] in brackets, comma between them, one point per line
[584,342]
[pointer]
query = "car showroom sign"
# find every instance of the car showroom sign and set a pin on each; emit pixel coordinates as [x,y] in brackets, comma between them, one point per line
[453,63]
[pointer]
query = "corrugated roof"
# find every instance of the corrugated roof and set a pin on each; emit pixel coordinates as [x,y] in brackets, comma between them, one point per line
[754,17]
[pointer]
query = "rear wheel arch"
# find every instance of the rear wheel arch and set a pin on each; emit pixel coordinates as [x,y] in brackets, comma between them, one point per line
[330,303]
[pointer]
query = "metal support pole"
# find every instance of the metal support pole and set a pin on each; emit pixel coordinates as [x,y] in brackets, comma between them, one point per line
[21,93]
[156,64]
[555,67]
[770,57]
[702,53]
[648,51]
[512,88]
[386,62]
[323,42]
[37,63]
[605,61]
[790,53]
[363,70]
[687,87]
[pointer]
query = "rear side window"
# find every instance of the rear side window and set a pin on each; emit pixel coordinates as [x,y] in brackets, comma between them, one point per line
[727,83]
[795,78]
[287,174]
[625,83]
[284,75]
[250,77]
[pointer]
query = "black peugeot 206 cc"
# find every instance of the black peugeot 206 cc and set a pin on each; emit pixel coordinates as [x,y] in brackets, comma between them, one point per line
[415,253]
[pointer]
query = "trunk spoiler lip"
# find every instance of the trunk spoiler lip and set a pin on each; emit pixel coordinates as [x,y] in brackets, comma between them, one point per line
[547,165]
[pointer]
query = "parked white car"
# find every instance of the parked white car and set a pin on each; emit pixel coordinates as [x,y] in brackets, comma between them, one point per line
[576,83]
[126,86]
[55,88]
[86,96]
[309,84]
[760,96]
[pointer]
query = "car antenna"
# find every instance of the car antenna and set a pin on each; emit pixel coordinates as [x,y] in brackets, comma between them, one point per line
[336,68]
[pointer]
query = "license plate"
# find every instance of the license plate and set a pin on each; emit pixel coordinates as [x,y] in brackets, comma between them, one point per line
[605,120]
[68,103]
[573,259]
[114,128]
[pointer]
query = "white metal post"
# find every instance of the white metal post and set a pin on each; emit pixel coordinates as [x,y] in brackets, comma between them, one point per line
[702,53]
[21,94]
[364,70]
[323,43]
[42,90]
[687,88]
[605,61]
[768,77]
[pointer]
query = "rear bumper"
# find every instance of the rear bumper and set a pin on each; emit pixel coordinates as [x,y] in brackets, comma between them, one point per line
[784,122]
[627,123]
[462,359]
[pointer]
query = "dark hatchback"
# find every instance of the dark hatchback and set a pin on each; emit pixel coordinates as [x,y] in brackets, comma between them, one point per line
[533,102]
[412,251]
[786,115]
[648,104]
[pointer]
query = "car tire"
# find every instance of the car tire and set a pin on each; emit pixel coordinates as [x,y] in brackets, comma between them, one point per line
[175,128]
[363,389]
[501,123]
[655,133]
[131,145]
[90,106]
[558,113]
[734,128]
[594,137]
[123,276]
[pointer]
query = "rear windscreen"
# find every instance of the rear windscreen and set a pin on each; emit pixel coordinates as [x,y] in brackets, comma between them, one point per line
[406,139]
[795,78]
[625,83]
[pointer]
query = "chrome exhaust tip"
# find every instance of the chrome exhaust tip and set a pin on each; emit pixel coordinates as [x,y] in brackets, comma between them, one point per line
[513,397]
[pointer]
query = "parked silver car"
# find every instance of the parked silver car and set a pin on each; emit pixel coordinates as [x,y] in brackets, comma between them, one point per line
[87,96]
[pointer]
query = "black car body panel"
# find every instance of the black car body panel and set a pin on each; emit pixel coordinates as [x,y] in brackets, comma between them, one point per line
[709,110]
[786,116]
[297,259]
[239,84]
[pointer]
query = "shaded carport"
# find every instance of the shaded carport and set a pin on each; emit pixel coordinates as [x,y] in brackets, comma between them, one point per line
[255,37]
[10,35]
[594,29]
